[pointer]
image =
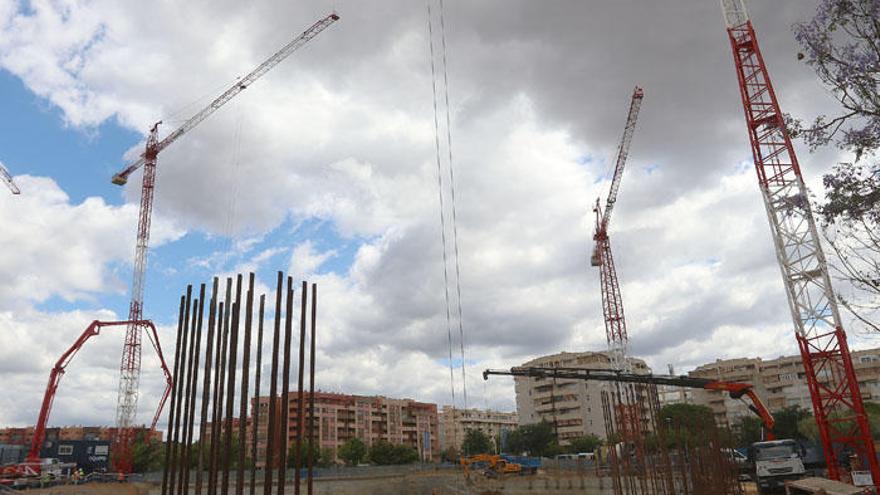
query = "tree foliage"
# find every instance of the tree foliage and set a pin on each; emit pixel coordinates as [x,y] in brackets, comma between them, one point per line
[749,430]
[537,439]
[788,421]
[353,452]
[320,457]
[840,42]
[476,442]
[808,428]
[384,453]
[586,443]
[147,455]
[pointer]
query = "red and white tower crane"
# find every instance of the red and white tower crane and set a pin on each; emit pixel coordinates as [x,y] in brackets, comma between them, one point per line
[7,179]
[612,301]
[837,402]
[130,365]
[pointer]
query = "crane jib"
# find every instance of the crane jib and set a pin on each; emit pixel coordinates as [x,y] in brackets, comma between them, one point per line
[240,85]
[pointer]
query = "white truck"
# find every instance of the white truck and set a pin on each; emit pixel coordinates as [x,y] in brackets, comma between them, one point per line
[776,462]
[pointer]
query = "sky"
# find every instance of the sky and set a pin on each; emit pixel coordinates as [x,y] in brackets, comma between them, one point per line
[326,168]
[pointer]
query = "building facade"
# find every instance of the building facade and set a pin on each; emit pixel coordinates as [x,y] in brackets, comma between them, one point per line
[25,435]
[573,407]
[454,424]
[340,417]
[670,394]
[778,382]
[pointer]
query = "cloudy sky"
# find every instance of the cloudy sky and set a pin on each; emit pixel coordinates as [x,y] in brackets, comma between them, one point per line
[326,168]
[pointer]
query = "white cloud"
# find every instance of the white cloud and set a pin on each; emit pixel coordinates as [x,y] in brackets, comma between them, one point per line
[343,133]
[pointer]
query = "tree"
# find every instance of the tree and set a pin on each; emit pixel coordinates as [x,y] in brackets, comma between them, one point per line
[383,453]
[787,421]
[146,454]
[685,414]
[840,43]
[586,443]
[320,457]
[536,439]
[352,452]
[808,428]
[476,442]
[749,431]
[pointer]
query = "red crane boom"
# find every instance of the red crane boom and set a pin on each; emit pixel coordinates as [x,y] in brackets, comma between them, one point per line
[130,365]
[837,401]
[61,365]
[612,301]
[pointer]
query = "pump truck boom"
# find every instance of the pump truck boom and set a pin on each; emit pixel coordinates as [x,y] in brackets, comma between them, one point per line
[736,390]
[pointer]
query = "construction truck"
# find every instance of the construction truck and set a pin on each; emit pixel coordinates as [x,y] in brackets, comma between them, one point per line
[776,462]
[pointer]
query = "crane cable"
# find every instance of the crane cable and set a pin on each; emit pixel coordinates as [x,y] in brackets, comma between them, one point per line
[442,215]
[452,201]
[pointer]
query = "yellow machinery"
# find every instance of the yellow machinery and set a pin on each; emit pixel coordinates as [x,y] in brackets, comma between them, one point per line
[489,465]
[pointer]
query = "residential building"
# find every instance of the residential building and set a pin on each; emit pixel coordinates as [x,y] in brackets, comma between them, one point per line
[454,423]
[671,394]
[574,407]
[25,435]
[340,417]
[778,382]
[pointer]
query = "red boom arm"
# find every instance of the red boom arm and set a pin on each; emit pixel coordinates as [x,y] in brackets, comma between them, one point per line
[58,371]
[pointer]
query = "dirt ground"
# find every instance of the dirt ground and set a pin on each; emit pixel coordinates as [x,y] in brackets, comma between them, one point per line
[95,489]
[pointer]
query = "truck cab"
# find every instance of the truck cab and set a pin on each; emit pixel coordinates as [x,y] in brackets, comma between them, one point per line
[776,462]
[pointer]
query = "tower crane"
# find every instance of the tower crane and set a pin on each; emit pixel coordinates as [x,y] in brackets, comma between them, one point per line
[131,355]
[612,301]
[7,179]
[837,402]
[736,390]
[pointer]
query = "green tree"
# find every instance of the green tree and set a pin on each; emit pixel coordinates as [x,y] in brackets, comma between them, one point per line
[748,431]
[476,442]
[808,428]
[586,443]
[537,439]
[320,457]
[788,421]
[147,455]
[384,453]
[352,452]
[685,414]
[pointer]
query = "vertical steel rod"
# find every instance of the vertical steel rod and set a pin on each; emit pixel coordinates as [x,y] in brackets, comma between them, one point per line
[311,427]
[206,387]
[173,398]
[245,364]
[230,387]
[300,403]
[258,411]
[187,382]
[285,376]
[218,356]
[218,441]
[179,385]
[194,393]
[273,389]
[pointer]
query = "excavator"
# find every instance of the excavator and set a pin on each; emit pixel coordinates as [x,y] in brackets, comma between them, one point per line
[736,390]
[491,465]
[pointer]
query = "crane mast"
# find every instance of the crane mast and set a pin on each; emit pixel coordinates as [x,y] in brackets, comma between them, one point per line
[130,364]
[837,401]
[7,179]
[612,301]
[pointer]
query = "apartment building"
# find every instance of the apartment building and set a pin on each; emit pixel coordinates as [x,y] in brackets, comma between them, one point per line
[574,407]
[778,382]
[341,417]
[454,424]
[25,435]
[670,394]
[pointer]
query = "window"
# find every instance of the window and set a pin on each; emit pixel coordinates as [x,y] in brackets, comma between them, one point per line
[65,450]
[102,449]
